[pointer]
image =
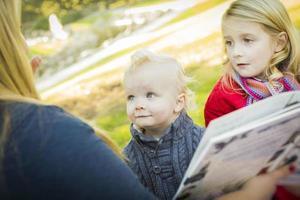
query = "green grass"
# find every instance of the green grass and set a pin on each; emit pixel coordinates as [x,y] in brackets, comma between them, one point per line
[42,51]
[115,117]
[149,3]
[115,122]
[295,15]
[205,76]
[195,10]
[91,19]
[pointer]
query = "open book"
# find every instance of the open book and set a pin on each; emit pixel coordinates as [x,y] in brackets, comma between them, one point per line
[242,144]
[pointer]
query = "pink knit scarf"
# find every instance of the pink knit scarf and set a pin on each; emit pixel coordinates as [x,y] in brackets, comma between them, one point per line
[260,89]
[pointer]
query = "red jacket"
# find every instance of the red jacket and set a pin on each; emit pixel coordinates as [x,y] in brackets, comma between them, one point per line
[223,100]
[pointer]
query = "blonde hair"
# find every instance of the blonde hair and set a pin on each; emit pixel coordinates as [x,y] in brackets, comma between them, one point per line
[274,18]
[16,75]
[143,56]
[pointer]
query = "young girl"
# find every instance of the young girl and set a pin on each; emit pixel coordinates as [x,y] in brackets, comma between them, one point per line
[164,137]
[262,47]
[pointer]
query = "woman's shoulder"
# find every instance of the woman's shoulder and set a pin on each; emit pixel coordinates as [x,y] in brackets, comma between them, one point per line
[26,109]
[59,151]
[31,118]
[18,112]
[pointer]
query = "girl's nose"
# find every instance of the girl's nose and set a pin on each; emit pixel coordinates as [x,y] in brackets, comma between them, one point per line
[237,51]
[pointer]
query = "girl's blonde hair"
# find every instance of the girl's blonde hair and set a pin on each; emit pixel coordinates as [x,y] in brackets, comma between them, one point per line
[274,18]
[143,56]
[16,75]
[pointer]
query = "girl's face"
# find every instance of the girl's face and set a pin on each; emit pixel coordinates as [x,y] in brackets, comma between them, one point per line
[248,47]
[151,97]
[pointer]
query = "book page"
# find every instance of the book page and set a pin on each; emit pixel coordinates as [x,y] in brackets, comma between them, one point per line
[291,154]
[250,114]
[253,112]
[230,160]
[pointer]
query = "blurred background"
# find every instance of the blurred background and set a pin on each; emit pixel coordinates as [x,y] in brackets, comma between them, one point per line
[85,46]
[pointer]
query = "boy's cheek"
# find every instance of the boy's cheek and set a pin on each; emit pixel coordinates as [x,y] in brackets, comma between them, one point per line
[131,119]
[130,115]
[128,109]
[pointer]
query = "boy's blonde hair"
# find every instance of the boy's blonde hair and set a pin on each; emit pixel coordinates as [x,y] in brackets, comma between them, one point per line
[274,18]
[143,56]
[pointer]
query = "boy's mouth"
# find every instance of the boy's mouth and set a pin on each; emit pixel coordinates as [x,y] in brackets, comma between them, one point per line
[142,116]
[242,65]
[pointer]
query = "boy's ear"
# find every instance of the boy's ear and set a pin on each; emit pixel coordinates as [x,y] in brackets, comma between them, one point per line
[281,41]
[180,103]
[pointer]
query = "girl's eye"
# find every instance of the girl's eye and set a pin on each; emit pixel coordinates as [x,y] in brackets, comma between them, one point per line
[150,95]
[130,98]
[247,40]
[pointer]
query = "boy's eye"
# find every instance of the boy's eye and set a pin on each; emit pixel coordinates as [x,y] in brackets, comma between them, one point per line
[130,97]
[150,95]
[228,43]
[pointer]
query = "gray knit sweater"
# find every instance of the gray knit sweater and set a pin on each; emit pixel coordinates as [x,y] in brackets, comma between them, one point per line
[160,165]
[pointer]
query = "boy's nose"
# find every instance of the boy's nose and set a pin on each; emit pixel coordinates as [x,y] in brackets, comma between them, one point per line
[139,107]
[139,104]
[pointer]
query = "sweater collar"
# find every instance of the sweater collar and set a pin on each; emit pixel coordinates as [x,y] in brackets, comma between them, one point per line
[175,131]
